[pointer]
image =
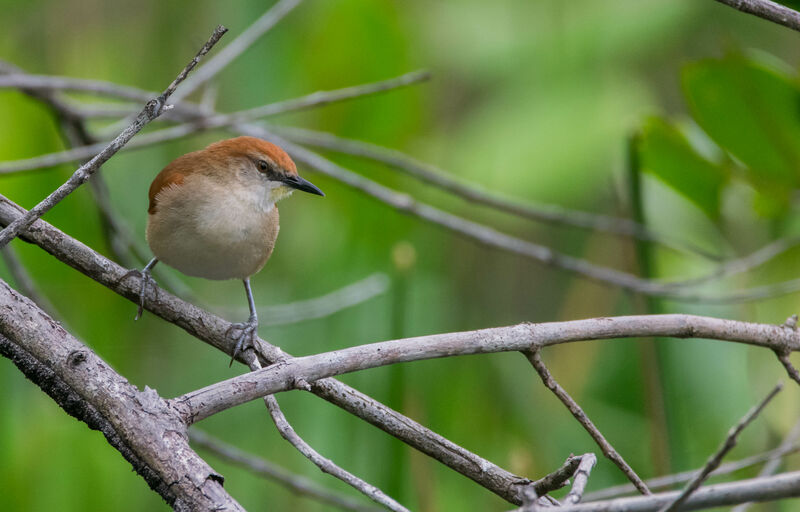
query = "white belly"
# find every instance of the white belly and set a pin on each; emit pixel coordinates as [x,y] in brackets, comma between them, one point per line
[215,236]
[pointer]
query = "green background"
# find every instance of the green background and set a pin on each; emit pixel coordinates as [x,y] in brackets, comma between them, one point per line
[531,99]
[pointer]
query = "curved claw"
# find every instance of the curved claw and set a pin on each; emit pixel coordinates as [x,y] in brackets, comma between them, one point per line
[244,339]
[146,279]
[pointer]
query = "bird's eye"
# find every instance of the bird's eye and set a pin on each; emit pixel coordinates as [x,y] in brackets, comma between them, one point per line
[262,166]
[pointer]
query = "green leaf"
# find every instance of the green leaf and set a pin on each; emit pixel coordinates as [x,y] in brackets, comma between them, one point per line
[666,153]
[751,111]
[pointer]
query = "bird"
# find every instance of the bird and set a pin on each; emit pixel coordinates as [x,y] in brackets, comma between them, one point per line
[213,213]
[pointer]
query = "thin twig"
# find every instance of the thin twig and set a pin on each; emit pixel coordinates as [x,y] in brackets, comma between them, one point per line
[771,11]
[203,121]
[151,111]
[227,54]
[663,482]
[49,83]
[125,246]
[324,464]
[558,478]
[772,465]
[787,446]
[473,230]
[432,175]
[726,446]
[262,467]
[326,305]
[24,282]
[236,47]
[588,460]
[536,360]
[785,485]
[741,265]
[783,357]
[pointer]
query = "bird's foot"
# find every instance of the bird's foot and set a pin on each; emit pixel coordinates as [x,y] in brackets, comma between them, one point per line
[146,279]
[244,334]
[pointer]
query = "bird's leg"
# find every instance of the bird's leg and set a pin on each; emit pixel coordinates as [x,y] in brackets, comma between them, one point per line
[146,278]
[247,330]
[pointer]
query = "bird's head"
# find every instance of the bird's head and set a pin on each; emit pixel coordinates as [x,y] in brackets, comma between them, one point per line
[259,163]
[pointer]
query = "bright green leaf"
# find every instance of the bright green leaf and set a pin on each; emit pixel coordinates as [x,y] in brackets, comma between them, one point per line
[753,112]
[666,153]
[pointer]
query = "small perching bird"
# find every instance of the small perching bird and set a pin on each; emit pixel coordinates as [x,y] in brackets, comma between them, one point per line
[212,214]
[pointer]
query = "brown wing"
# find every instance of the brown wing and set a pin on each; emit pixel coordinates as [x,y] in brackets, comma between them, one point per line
[172,174]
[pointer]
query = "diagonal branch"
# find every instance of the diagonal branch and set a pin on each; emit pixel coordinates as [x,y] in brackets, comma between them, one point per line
[152,110]
[202,121]
[558,478]
[324,464]
[783,357]
[432,175]
[536,361]
[785,485]
[768,10]
[715,460]
[490,237]
[236,47]
[773,464]
[296,483]
[662,482]
[24,282]
[588,460]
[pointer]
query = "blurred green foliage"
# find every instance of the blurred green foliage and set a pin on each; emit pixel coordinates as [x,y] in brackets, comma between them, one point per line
[531,99]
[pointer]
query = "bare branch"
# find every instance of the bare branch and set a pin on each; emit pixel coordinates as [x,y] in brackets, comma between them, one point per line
[204,122]
[783,357]
[24,282]
[558,478]
[432,175]
[151,111]
[588,460]
[324,464]
[489,236]
[296,483]
[536,361]
[771,11]
[786,485]
[225,56]
[684,476]
[139,424]
[279,377]
[212,330]
[326,305]
[716,459]
[743,264]
[773,464]
[50,83]
[236,47]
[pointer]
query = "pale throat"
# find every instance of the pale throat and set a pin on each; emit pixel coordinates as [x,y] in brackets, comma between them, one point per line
[273,193]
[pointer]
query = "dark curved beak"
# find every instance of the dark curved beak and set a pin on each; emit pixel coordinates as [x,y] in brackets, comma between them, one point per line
[295,181]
